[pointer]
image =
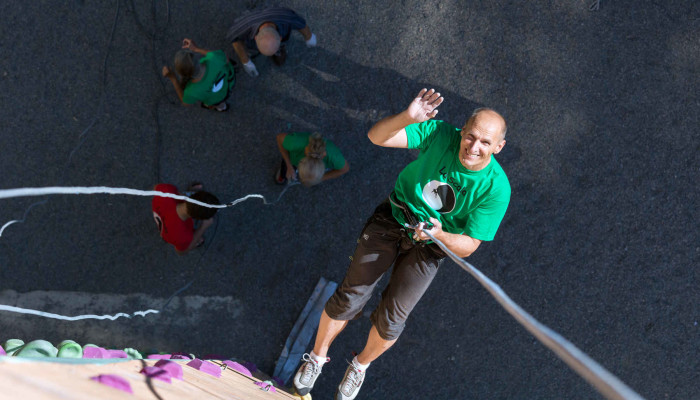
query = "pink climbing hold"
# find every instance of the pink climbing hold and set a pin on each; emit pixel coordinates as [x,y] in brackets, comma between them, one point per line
[206,367]
[156,373]
[238,367]
[173,368]
[117,354]
[114,381]
[95,352]
[180,357]
[2,351]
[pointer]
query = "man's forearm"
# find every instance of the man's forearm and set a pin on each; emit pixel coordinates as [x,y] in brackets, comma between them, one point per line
[284,152]
[383,131]
[177,87]
[462,245]
[305,32]
[334,173]
[240,50]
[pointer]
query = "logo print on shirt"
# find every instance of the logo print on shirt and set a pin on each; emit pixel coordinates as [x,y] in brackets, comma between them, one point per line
[217,86]
[439,196]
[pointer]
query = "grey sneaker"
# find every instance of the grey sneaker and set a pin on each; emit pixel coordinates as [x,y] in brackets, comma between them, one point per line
[307,374]
[350,385]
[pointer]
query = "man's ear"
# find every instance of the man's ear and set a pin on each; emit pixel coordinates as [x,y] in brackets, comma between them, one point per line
[500,147]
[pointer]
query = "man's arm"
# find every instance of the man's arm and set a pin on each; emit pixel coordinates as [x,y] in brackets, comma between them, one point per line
[240,50]
[461,245]
[190,45]
[197,236]
[334,173]
[285,155]
[391,132]
[167,73]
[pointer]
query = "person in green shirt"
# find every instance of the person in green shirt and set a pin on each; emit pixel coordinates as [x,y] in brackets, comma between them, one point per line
[455,190]
[209,80]
[314,158]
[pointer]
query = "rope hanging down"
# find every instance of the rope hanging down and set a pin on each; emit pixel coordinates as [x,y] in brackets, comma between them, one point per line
[30,192]
[601,379]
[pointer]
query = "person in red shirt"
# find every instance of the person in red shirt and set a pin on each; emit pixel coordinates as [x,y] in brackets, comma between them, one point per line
[175,218]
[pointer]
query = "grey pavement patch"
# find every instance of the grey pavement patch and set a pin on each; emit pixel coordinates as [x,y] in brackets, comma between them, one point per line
[182,314]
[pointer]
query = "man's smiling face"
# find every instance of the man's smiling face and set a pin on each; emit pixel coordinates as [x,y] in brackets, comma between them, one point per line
[482,135]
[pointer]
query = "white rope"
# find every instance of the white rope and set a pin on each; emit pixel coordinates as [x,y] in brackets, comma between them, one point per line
[601,379]
[31,192]
[76,318]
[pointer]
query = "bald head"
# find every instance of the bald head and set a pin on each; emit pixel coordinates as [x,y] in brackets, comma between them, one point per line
[268,40]
[488,119]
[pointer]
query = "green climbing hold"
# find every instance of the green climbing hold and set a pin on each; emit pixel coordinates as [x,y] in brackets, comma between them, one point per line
[133,354]
[12,345]
[70,349]
[37,349]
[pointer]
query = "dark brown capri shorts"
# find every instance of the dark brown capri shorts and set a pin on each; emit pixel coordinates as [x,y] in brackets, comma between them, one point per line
[384,243]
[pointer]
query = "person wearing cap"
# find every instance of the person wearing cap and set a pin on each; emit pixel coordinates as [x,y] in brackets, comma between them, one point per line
[455,190]
[265,31]
[309,156]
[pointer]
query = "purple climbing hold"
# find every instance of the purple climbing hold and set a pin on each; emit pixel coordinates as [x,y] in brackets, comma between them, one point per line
[205,366]
[95,352]
[182,356]
[114,381]
[238,367]
[158,356]
[117,354]
[156,373]
[173,368]
[251,367]
[2,351]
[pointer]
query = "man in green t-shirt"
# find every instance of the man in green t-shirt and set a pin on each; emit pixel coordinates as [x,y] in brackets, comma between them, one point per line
[455,190]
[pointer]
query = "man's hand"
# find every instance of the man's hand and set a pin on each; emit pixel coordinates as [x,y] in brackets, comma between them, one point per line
[249,67]
[311,42]
[189,44]
[424,106]
[436,230]
[166,71]
[291,173]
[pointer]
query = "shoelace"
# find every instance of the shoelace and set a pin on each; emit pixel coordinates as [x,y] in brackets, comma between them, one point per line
[353,380]
[312,368]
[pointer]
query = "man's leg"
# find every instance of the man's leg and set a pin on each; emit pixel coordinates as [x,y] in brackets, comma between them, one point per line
[375,347]
[413,272]
[328,330]
[376,250]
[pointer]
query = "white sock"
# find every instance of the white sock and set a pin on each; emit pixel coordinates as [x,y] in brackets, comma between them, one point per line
[319,360]
[361,367]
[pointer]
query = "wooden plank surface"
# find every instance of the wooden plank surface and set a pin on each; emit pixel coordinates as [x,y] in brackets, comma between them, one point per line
[49,381]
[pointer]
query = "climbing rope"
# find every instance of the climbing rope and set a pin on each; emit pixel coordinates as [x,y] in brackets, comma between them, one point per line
[42,191]
[10,193]
[601,379]
[77,317]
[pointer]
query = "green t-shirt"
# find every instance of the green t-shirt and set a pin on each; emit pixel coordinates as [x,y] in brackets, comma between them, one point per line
[438,185]
[295,143]
[213,88]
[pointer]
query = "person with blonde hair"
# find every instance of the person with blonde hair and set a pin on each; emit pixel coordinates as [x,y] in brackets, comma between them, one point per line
[310,156]
[209,79]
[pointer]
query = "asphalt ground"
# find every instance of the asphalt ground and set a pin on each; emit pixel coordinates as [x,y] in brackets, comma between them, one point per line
[600,241]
